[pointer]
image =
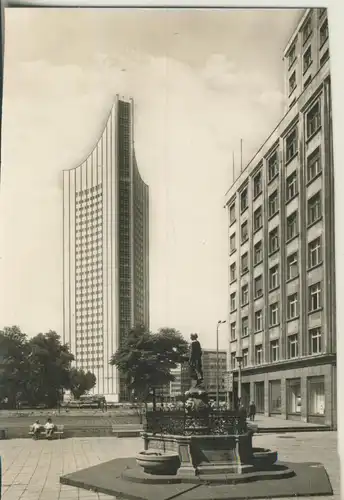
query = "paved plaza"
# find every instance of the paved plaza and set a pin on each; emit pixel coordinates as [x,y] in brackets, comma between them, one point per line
[31,469]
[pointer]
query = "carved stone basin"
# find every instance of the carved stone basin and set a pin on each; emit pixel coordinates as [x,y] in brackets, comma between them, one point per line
[158,462]
[263,458]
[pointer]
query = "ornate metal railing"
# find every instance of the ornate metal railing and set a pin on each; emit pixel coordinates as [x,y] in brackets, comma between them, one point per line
[181,422]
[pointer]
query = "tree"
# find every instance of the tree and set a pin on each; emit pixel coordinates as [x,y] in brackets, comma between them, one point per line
[51,365]
[81,382]
[15,366]
[146,359]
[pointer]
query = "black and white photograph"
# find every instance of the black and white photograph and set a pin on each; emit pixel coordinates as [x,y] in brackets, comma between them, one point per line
[168,201]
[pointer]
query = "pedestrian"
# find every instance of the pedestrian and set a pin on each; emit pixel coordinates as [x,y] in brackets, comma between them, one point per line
[36,429]
[49,428]
[252,411]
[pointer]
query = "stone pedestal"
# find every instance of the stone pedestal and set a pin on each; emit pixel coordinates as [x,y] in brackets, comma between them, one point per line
[204,454]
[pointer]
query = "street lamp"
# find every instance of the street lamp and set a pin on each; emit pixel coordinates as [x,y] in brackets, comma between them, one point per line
[220,322]
[239,360]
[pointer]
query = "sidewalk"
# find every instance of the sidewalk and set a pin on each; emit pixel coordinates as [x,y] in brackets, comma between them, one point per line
[265,422]
[32,469]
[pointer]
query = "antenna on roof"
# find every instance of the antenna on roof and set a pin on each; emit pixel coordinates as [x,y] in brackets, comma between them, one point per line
[233,166]
[240,155]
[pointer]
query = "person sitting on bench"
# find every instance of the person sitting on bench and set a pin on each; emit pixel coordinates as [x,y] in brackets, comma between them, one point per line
[49,428]
[36,429]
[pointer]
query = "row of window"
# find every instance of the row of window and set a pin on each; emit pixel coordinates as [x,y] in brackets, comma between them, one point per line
[313,169]
[314,213]
[307,58]
[314,347]
[314,304]
[314,258]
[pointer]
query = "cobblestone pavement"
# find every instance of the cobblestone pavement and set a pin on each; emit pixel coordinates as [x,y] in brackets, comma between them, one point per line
[31,469]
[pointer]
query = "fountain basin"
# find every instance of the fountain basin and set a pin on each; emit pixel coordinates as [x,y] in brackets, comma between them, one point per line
[158,462]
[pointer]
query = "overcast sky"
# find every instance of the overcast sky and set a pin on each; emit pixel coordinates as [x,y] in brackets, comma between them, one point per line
[201,80]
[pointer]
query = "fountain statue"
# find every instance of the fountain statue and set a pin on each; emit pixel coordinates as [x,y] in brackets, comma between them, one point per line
[192,452]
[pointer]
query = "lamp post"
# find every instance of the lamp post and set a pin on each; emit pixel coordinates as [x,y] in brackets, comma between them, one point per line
[239,360]
[220,322]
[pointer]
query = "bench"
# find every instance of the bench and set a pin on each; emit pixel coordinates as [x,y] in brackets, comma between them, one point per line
[59,431]
[124,433]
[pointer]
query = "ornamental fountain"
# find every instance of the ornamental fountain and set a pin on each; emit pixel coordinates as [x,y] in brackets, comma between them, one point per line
[201,443]
[200,453]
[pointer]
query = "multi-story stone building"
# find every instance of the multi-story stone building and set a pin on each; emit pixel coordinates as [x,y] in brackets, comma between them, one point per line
[105,250]
[209,361]
[282,313]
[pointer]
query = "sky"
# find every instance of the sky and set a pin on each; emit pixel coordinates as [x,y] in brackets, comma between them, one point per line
[201,80]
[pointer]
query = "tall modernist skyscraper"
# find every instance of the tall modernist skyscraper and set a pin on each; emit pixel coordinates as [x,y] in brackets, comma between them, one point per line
[282,296]
[106,250]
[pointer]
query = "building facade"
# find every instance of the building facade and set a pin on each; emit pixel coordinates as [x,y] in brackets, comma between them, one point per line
[209,361]
[282,313]
[105,250]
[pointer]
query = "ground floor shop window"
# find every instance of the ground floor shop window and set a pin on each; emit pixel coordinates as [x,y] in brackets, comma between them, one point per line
[275,396]
[259,396]
[294,396]
[316,395]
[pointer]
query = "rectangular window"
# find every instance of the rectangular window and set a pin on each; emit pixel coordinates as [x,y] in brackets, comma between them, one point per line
[325,57]
[307,30]
[232,300]
[244,295]
[273,204]
[243,200]
[232,272]
[273,240]
[292,266]
[233,330]
[258,252]
[257,219]
[313,120]
[293,346]
[244,232]
[292,226]
[274,314]
[314,252]
[232,213]
[258,287]
[275,396]
[292,306]
[258,321]
[313,164]
[257,184]
[258,354]
[314,297]
[315,341]
[273,277]
[291,145]
[274,350]
[291,186]
[314,208]
[291,56]
[244,326]
[244,263]
[244,357]
[292,82]
[232,243]
[273,166]
[323,32]
[233,360]
[316,395]
[307,59]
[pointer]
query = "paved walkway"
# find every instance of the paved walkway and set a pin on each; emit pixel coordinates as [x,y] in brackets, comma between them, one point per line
[265,421]
[31,469]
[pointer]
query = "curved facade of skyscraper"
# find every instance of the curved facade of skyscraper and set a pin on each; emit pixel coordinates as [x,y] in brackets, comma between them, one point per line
[106,251]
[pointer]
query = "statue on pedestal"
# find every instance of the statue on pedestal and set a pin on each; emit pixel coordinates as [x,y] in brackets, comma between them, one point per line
[195,360]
